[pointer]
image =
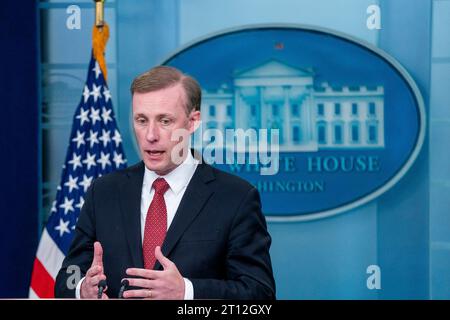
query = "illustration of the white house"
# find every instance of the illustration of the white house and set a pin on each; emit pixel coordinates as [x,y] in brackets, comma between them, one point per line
[275,95]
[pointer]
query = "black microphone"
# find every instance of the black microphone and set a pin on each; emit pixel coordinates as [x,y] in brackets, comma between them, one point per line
[123,286]
[101,287]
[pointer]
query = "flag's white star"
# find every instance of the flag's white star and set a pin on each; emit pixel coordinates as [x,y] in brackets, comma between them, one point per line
[80,203]
[92,138]
[104,160]
[118,159]
[90,160]
[86,182]
[62,227]
[72,183]
[83,116]
[67,205]
[106,93]
[79,139]
[97,70]
[86,93]
[117,138]
[53,206]
[76,161]
[96,92]
[106,115]
[95,115]
[105,138]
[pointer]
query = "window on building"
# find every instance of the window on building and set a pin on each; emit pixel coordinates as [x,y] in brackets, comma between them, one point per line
[275,110]
[354,132]
[253,110]
[295,110]
[372,109]
[338,134]
[320,109]
[322,132]
[229,111]
[296,134]
[337,109]
[354,109]
[212,111]
[372,133]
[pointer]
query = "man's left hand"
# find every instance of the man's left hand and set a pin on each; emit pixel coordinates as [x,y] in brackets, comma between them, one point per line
[165,284]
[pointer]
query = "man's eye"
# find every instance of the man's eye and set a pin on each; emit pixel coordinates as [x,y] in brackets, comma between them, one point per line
[165,121]
[140,120]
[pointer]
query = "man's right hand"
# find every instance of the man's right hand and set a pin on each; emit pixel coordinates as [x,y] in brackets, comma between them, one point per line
[89,286]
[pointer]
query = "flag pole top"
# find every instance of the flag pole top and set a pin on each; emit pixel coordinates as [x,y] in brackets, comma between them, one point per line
[99,10]
[100,35]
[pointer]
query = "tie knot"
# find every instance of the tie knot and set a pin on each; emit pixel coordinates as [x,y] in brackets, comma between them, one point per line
[160,185]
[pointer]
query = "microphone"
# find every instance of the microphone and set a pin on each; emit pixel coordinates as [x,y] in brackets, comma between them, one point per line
[101,287]
[123,285]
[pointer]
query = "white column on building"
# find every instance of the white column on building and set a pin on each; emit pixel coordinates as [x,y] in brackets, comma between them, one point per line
[221,115]
[362,131]
[306,117]
[380,117]
[286,117]
[262,108]
[329,113]
[238,108]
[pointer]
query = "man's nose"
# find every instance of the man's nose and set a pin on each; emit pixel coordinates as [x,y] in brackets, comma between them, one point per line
[152,134]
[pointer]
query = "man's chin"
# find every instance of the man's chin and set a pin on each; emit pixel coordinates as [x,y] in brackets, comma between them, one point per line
[159,167]
[154,165]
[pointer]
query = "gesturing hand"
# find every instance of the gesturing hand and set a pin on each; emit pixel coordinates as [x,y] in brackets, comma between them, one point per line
[165,284]
[89,286]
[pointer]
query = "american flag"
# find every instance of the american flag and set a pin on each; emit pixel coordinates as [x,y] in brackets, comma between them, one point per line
[95,148]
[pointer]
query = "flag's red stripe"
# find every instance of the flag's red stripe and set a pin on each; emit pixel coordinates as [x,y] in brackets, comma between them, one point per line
[42,282]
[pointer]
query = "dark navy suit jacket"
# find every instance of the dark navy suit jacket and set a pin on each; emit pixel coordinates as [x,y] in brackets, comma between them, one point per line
[218,238]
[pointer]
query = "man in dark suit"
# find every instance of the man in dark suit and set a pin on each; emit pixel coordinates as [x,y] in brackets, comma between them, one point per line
[173,226]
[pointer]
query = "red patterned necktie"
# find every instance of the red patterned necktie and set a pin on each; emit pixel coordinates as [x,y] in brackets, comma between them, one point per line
[155,223]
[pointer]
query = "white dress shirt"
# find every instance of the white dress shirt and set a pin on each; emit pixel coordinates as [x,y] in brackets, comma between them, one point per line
[178,179]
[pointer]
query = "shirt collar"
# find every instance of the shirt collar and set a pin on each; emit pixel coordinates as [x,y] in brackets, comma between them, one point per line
[177,179]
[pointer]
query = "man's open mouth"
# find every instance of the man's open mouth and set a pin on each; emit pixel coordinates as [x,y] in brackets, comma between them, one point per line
[154,152]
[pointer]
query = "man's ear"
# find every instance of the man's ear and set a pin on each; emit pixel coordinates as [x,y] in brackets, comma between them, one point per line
[194,120]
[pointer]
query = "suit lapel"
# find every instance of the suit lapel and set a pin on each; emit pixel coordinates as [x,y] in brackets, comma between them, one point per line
[194,198]
[130,203]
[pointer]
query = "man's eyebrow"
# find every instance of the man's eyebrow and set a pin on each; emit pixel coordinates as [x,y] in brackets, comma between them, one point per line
[161,115]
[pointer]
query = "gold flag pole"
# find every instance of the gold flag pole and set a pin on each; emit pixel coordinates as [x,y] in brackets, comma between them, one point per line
[100,35]
[99,10]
